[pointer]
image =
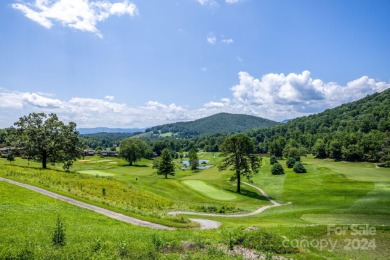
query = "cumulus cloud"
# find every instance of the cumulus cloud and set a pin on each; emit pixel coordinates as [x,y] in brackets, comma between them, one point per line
[20,99]
[78,14]
[272,96]
[292,95]
[212,39]
[90,112]
[224,102]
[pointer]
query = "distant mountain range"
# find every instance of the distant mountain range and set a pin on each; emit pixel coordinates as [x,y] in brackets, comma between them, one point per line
[218,123]
[95,130]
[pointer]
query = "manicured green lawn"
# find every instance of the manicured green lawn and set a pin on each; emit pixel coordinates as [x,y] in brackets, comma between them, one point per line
[329,193]
[209,191]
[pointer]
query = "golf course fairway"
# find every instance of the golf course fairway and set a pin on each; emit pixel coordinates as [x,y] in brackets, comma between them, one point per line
[209,191]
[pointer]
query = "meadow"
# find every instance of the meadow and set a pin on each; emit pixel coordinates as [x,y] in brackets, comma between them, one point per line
[330,193]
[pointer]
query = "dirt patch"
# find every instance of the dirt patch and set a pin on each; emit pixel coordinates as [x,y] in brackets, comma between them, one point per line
[113,163]
[84,160]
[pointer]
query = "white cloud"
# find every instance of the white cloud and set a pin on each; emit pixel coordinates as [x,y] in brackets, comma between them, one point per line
[78,14]
[279,96]
[224,102]
[212,3]
[11,100]
[38,100]
[272,96]
[227,41]
[212,39]
[232,1]
[21,99]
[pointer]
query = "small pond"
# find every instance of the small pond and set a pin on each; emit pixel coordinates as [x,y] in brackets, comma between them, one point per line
[187,163]
[203,164]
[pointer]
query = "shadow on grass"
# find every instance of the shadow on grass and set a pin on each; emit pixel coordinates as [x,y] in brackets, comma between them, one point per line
[134,165]
[248,193]
[252,194]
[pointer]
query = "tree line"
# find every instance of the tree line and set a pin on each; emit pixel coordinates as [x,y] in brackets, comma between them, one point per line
[357,131]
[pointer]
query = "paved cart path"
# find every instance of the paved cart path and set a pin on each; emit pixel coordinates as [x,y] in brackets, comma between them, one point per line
[84,205]
[259,210]
[204,223]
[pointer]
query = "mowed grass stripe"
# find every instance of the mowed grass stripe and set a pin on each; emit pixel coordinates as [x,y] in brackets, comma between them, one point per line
[208,190]
[96,173]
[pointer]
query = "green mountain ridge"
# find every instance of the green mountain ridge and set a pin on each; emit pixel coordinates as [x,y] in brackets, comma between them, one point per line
[218,123]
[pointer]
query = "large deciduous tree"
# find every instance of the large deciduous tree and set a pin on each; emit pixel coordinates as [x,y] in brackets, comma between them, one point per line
[47,139]
[132,149]
[164,164]
[237,151]
[276,147]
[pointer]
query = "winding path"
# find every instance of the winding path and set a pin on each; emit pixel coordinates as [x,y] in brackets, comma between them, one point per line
[80,204]
[204,223]
[259,210]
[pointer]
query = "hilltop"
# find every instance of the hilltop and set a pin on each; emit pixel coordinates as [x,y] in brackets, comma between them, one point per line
[218,123]
[94,130]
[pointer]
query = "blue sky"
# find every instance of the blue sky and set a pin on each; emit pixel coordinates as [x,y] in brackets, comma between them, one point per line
[140,63]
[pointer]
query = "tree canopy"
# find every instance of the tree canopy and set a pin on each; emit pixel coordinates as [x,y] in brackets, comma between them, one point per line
[164,164]
[133,149]
[193,159]
[46,138]
[237,151]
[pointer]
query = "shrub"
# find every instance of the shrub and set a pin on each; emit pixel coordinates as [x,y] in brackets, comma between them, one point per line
[157,242]
[299,168]
[290,162]
[277,169]
[59,236]
[273,159]
[260,240]
[10,157]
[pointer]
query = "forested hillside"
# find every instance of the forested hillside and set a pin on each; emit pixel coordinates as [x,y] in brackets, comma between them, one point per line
[96,130]
[105,140]
[219,123]
[354,131]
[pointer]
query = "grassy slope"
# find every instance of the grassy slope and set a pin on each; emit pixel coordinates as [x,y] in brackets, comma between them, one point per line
[27,220]
[330,193]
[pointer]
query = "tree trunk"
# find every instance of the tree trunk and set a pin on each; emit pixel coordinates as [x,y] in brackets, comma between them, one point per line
[44,160]
[238,181]
[131,163]
[166,176]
